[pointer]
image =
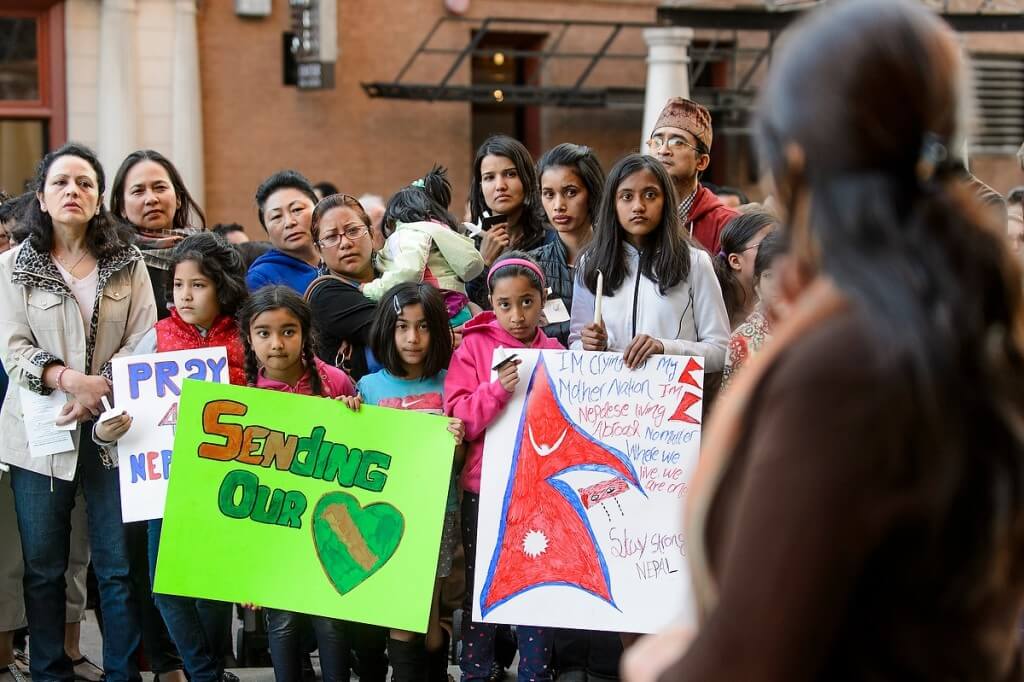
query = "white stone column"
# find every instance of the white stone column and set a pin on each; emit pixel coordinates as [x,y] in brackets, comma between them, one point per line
[668,76]
[186,100]
[117,91]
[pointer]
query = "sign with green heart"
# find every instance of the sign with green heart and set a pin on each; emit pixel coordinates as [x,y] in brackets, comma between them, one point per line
[305,505]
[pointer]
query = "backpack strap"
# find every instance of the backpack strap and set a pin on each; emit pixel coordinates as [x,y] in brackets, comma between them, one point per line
[344,352]
[317,282]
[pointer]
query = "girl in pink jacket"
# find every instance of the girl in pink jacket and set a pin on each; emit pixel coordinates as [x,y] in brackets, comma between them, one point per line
[517,291]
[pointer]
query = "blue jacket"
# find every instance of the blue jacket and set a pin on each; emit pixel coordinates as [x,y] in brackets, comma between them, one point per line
[277,267]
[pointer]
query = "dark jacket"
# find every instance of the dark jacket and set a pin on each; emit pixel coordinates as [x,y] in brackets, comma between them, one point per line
[476,288]
[558,275]
[342,314]
[835,546]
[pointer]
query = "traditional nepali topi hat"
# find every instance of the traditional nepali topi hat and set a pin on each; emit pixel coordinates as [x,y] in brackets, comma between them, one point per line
[689,116]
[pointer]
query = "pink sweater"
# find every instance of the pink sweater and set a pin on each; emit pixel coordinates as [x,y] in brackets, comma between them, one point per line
[469,392]
[336,382]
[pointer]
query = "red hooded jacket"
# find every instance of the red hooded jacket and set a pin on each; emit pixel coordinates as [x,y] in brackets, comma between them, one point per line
[174,333]
[708,217]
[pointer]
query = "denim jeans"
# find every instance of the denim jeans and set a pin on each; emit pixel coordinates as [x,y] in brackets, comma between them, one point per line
[157,646]
[197,626]
[44,507]
[284,632]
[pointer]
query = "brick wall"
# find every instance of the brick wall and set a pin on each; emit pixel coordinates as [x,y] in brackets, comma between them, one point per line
[254,125]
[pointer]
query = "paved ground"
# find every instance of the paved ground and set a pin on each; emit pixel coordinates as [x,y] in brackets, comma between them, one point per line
[92,647]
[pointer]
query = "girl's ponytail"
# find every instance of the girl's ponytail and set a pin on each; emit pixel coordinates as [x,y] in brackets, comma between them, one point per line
[438,187]
[316,383]
[732,290]
[425,199]
[252,366]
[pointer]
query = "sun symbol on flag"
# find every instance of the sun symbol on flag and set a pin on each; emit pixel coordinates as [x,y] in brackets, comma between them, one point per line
[534,544]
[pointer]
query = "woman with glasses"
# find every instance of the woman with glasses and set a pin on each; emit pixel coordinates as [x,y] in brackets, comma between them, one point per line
[343,315]
[734,262]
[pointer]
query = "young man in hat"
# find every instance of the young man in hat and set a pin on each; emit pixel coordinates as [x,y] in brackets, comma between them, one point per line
[682,142]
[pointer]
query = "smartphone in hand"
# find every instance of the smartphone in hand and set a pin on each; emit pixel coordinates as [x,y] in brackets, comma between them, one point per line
[489,221]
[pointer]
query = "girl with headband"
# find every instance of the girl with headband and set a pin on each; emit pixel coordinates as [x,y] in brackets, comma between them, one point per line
[517,287]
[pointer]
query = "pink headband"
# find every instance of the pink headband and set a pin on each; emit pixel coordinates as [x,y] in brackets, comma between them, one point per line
[529,265]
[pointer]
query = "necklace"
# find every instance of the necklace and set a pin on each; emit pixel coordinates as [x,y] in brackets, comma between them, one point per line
[71,270]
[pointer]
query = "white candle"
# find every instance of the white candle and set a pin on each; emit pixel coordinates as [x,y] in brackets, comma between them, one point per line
[597,297]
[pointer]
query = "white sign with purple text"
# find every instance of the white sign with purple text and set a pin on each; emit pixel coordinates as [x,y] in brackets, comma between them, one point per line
[147,387]
[585,473]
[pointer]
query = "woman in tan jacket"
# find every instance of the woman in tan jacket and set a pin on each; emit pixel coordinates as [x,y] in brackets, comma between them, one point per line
[73,295]
[858,511]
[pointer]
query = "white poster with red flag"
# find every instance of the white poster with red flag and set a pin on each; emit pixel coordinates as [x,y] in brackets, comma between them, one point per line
[584,479]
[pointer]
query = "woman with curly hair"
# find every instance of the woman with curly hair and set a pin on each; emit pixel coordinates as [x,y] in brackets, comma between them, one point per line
[74,294]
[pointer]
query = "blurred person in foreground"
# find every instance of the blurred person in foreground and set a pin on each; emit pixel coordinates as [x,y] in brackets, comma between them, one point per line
[1015,221]
[858,510]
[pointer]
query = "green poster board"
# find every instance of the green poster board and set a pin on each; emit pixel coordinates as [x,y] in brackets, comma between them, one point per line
[298,503]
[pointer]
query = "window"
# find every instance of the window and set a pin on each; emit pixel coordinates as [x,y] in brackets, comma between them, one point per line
[19,59]
[999,80]
[32,109]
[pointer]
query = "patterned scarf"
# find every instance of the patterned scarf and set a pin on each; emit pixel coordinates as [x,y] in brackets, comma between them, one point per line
[686,205]
[156,245]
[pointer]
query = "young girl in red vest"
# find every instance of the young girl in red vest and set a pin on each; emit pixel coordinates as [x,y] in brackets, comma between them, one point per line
[206,281]
[276,325]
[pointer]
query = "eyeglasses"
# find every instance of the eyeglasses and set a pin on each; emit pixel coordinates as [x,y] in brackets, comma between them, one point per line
[350,233]
[672,143]
[752,246]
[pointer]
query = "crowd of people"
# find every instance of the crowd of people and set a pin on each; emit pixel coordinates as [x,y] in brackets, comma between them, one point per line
[859,505]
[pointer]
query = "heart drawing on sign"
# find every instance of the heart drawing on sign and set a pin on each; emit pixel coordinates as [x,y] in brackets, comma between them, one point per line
[352,541]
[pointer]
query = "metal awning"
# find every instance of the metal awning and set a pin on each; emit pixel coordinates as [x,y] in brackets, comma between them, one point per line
[731,104]
[579,93]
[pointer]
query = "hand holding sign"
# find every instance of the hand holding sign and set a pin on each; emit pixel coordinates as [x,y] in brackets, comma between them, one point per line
[640,348]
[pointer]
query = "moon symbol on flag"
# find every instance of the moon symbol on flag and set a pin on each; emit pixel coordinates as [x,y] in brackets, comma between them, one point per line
[545,450]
